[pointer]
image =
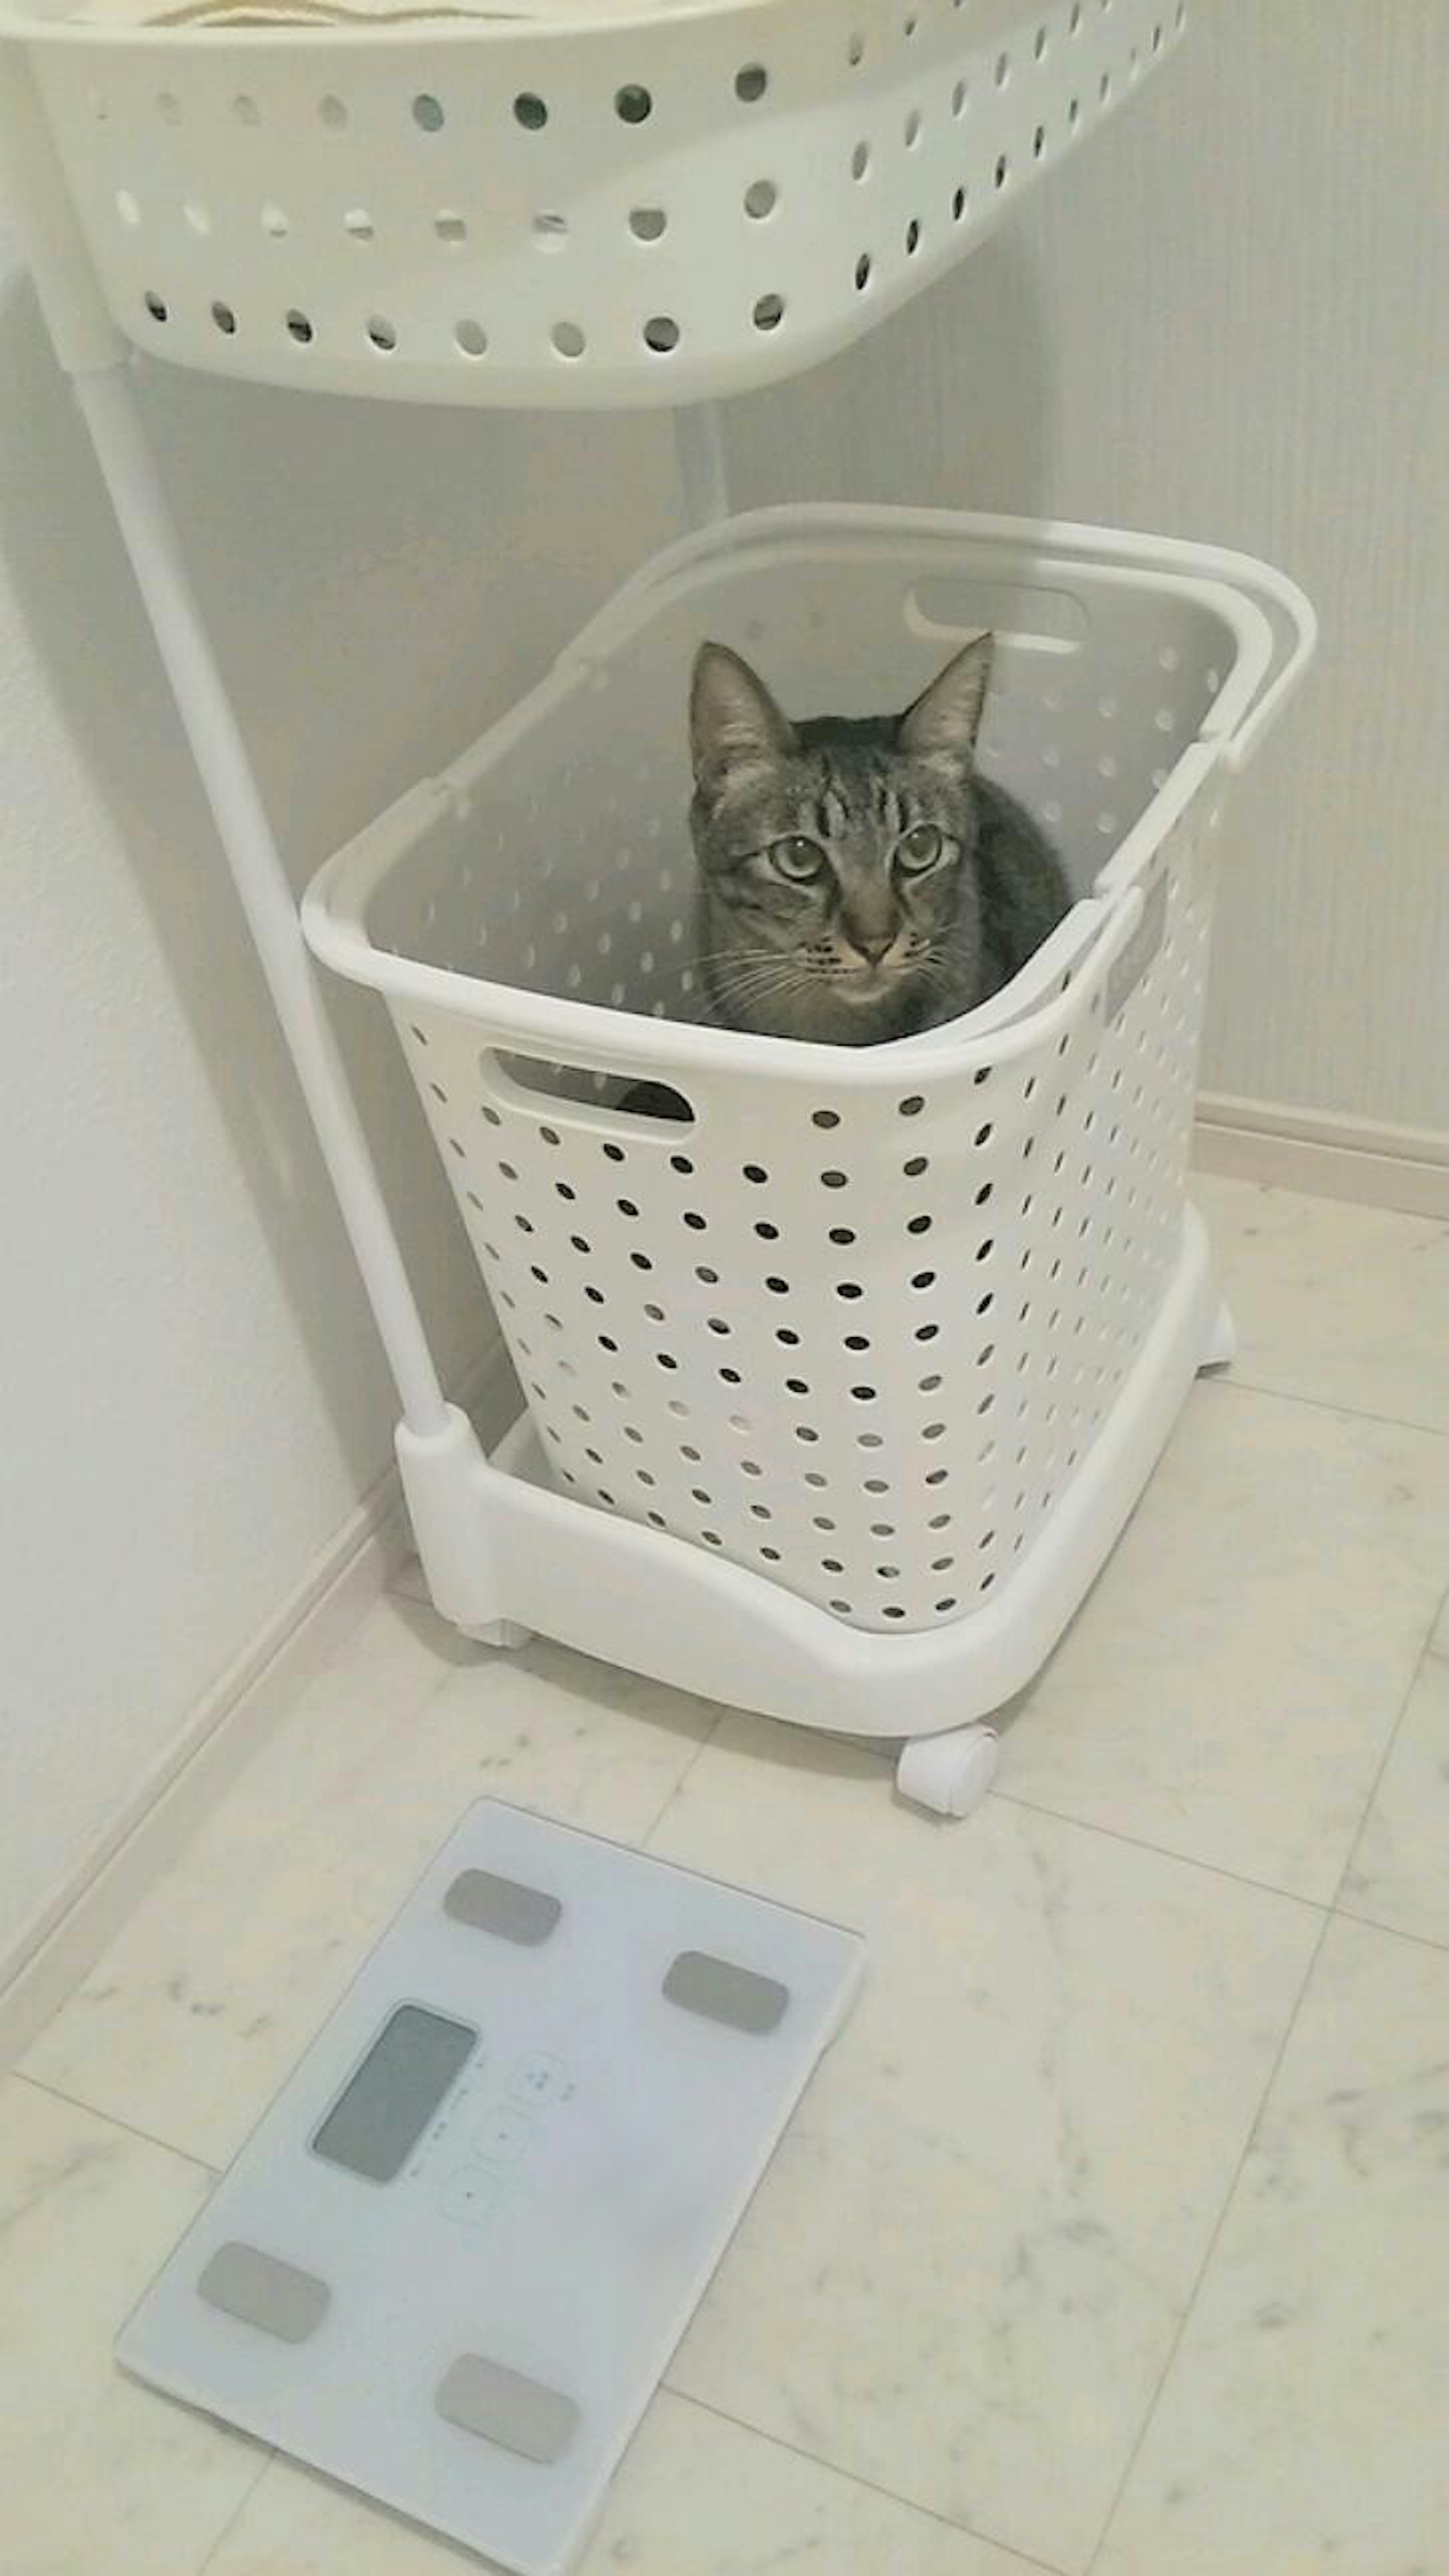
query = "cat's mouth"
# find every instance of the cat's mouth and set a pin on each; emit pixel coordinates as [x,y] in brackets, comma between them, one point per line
[870,979]
[865,983]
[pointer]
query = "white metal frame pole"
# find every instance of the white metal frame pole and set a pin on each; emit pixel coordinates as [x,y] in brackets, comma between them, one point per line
[220,754]
[703,477]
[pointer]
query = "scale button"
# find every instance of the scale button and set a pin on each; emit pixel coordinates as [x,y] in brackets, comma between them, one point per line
[720,1990]
[540,2078]
[501,1906]
[472,2194]
[505,2135]
[521,2415]
[263,2292]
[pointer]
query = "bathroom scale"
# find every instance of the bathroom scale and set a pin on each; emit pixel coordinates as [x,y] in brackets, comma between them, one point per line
[451,2262]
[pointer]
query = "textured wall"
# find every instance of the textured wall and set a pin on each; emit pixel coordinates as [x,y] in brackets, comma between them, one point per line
[1225,318]
[191,1392]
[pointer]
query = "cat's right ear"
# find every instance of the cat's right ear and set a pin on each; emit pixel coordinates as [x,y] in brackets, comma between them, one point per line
[944,722]
[734,723]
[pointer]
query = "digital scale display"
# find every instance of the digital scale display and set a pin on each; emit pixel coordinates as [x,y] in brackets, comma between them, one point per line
[570,2065]
[403,2080]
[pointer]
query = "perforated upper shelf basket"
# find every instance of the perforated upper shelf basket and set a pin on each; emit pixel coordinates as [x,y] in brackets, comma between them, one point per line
[860,1323]
[564,207]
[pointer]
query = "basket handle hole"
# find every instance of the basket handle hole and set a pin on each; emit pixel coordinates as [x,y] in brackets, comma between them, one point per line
[608,1096]
[957,606]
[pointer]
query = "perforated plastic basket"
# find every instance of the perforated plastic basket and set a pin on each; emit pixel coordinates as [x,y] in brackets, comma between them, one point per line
[860,1325]
[566,205]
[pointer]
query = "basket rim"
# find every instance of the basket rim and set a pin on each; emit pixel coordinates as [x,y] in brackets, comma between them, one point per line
[336,902]
[573,22]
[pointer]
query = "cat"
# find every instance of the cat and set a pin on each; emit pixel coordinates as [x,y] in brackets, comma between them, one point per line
[859,879]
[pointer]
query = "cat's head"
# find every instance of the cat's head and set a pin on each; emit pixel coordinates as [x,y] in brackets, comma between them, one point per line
[839,897]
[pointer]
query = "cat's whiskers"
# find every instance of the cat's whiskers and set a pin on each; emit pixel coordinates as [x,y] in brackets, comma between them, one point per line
[759,948]
[711,959]
[753,984]
[762,988]
[734,971]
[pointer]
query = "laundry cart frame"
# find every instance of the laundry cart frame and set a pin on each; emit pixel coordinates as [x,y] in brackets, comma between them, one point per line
[1037,1291]
[946,111]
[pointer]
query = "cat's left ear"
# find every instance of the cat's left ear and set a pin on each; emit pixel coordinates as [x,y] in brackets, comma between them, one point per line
[946,718]
[734,722]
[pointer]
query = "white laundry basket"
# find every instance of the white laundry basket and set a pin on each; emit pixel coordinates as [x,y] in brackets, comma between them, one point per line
[560,202]
[866,1359]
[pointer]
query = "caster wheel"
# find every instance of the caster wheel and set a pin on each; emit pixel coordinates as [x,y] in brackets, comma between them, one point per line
[1221,1347]
[504,1633]
[949,1774]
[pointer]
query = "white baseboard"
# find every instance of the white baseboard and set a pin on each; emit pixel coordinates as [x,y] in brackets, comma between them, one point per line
[1327,1157]
[66,1935]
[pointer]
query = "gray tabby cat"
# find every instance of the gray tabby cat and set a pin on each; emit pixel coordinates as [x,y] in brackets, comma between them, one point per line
[859,878]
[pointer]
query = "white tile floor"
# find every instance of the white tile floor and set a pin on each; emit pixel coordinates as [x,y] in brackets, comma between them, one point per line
[1114,2234]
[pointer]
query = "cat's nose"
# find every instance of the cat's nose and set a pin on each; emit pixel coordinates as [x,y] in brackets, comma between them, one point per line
[873,945]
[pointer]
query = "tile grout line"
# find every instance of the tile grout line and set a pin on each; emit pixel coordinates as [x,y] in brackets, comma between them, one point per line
[868,2486]
[238,2509]
[1229,2196]
[646,1839]
[1161,1851]
[1392,1931]
[1233,1384]
[1331,1914]
[1329,1909]
[681,2396]
[108,2120]
[432,1691]
[112,2120]
[1330,1905]
[1395,1731]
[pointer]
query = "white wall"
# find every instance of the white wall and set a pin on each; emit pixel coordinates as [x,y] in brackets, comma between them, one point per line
[1224,317]
[191,1394]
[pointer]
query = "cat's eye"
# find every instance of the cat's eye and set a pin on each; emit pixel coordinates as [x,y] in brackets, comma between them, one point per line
[920,848]
[797,859]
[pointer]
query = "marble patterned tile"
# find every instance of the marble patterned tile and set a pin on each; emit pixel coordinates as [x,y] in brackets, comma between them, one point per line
[695,2497]
[962,2274]
[1346,1305]
[95,2473]
[1228,1688]
[1300,2431]
[1399,1873]
[197,2011]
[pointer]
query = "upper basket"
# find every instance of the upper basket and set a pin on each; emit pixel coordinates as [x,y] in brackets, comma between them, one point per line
[572,205]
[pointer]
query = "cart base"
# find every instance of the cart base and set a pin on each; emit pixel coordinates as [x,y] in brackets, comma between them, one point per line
[507,1557]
